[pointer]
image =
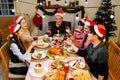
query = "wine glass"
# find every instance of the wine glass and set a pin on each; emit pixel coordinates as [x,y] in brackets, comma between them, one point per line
[67,29]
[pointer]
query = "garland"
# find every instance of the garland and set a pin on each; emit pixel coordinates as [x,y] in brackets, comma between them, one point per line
[77,9]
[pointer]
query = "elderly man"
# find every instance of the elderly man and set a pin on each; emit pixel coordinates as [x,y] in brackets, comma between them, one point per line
[59,26]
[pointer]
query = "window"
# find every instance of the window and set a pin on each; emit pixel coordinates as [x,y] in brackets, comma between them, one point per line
[6,7]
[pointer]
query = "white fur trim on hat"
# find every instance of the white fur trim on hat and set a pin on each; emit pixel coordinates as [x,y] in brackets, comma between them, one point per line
[87,23]
[97,31]
[19,19]
[17,27]
[59,14]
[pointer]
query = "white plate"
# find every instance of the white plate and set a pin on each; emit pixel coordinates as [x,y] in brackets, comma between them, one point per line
[43,55]
[70,50]
[34,74]
[42,45]
[72,64]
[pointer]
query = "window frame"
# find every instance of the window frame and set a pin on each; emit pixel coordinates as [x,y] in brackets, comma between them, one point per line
[6,7]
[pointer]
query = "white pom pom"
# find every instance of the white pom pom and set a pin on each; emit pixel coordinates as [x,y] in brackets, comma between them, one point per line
[11,35]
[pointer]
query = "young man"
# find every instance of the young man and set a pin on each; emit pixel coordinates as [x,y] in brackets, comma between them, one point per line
[96,51]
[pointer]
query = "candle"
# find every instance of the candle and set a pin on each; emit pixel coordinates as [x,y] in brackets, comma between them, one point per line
[66,67]
[56,58]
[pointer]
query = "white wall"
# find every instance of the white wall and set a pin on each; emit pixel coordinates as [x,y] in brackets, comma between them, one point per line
[29,9]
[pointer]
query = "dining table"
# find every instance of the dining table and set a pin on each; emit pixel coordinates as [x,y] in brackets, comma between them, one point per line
[46,62]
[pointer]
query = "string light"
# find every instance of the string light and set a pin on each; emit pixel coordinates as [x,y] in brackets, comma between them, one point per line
[65,3]
[41,3]
[43,16]
[111,16]
[77,17]
[13,10]
[86,1]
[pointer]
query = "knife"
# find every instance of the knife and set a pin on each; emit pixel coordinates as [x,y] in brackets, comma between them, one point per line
[74,63]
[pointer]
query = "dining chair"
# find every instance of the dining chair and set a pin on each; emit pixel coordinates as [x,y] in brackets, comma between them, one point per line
[113,61]
[5,56]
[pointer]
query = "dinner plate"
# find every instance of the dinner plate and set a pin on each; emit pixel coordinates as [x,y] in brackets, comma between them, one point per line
[38,55]
[34,74]
[73,62]
[42,45]
[70,50]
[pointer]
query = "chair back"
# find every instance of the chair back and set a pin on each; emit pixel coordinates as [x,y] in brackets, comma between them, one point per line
[114,60]
[5,56]
[4,50]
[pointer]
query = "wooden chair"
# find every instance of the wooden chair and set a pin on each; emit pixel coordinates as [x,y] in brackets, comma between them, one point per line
[5,56]
[114,61]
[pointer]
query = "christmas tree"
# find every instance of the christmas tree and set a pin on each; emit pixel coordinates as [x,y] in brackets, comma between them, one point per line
[105,15]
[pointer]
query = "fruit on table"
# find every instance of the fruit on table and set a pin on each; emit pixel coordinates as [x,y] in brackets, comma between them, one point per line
[56,51]
[38,65]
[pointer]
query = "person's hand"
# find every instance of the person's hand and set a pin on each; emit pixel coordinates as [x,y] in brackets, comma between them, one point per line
[68,30]
[34,43]
[67,42]
[72,38]
[46,36]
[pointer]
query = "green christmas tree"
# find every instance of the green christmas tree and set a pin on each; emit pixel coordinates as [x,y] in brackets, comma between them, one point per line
[105,15]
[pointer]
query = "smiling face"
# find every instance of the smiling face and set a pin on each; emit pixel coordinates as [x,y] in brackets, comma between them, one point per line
[58,20]
[80,27]
[23,24]
[86,29]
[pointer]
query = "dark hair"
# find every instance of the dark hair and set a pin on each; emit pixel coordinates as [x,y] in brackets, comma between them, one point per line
[81,23]
[94,33]
[20,20]
[18,42]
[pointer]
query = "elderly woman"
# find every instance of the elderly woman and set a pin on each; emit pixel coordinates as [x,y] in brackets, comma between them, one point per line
[19,56]
[96,51]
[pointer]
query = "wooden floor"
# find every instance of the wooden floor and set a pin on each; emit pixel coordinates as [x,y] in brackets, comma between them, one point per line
[2,73]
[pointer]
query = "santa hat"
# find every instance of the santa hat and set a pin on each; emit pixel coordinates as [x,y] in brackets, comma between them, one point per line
[84,19]
[18,19]
[100,30]
[14,28]
[59,12]
[89,22]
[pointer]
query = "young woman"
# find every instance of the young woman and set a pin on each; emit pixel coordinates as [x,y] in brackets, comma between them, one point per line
[19,56]
[80,38]
[26,37]
[96,51]
[78,35]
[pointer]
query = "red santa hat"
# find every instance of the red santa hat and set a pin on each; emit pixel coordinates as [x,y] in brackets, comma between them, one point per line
[14,28]
[84,19]
[59,12]
[89,22]
[18,19]
[100,30]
